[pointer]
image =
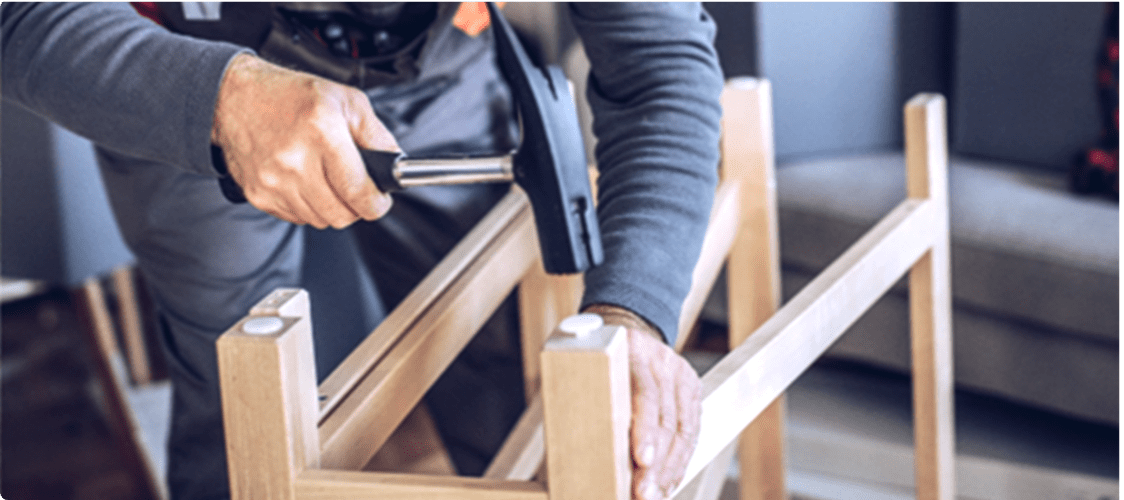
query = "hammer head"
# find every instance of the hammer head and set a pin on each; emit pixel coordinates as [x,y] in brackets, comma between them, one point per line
[550,163]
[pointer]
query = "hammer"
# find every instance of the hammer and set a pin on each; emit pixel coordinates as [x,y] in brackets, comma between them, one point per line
[549,163]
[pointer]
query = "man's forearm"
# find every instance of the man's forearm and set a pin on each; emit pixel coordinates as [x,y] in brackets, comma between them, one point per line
[654,89]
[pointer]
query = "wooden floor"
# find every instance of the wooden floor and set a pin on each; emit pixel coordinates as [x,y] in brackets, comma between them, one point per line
[56,445]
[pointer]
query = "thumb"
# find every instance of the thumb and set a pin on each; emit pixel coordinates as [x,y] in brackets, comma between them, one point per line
[366,129]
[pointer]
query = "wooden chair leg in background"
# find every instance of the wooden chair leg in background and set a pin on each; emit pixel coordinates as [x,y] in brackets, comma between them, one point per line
[132,329]
[544,301]
[743,235]
[113,372]
[930,304]
[753,269]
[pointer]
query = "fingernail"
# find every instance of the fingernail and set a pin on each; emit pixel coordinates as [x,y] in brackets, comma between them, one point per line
[648,455]
[652,492]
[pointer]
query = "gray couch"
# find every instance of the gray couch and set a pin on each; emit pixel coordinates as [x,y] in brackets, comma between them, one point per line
[1035,268]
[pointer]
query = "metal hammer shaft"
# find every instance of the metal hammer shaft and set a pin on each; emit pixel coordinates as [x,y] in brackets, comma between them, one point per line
[393,171]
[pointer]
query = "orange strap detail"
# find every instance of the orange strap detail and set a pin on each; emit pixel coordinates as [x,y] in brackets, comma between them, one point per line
[472,17]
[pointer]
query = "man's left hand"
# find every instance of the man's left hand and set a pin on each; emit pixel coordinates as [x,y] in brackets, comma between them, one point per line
[666,403]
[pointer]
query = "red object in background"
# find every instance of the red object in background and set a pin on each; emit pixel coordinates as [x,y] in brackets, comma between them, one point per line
[1104,76]
[1097,170]
[1103,159]
[149,10]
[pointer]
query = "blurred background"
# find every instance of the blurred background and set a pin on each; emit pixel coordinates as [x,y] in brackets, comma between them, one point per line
[1032,101]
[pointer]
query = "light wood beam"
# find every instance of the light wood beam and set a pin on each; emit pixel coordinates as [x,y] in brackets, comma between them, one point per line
[268,378]
[544,301]
[930,303]
[587,413]
[720,237]
[753,269]
[352,485]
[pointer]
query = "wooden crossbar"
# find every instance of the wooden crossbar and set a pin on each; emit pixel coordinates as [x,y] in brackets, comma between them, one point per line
[336,485]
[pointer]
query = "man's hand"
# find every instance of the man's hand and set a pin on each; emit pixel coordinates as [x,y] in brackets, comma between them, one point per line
[290,139]
[666,402]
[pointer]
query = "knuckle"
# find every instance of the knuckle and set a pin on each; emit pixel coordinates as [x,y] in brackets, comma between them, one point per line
[356,195]
[270,181]
[320,89]
[260,202]
[342,222]
[355,95]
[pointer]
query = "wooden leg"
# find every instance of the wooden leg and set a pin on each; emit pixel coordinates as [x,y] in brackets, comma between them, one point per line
[761,454]
[931,305]
[585,378]
[268,378]
[131,327]
[111,373]
[544,301]
[753,270]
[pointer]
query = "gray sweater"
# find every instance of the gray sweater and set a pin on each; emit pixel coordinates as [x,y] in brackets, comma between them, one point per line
[131,86]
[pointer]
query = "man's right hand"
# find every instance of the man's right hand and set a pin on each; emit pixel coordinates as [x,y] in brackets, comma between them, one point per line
[289,140]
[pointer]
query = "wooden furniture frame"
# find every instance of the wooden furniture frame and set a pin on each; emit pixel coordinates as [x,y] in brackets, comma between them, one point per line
[288,438]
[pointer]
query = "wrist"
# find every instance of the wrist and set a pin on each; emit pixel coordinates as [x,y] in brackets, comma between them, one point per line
[235,76]
[617,315]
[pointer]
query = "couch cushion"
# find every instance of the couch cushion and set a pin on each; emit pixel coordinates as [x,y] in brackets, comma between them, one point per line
[1023,247]
[1066,374]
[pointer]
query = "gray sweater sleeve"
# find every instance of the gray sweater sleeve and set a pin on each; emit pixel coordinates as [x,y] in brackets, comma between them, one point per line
[654,89]
[110,75]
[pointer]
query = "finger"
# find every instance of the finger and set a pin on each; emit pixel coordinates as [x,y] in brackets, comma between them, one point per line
[367,130]
[281,213]
[301,212]
[687,393]
[645,421]
[352,187]
[319,194]
[344,168]
[645,414]
[283,184]
[653,439]
[273,204]
[669,420]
